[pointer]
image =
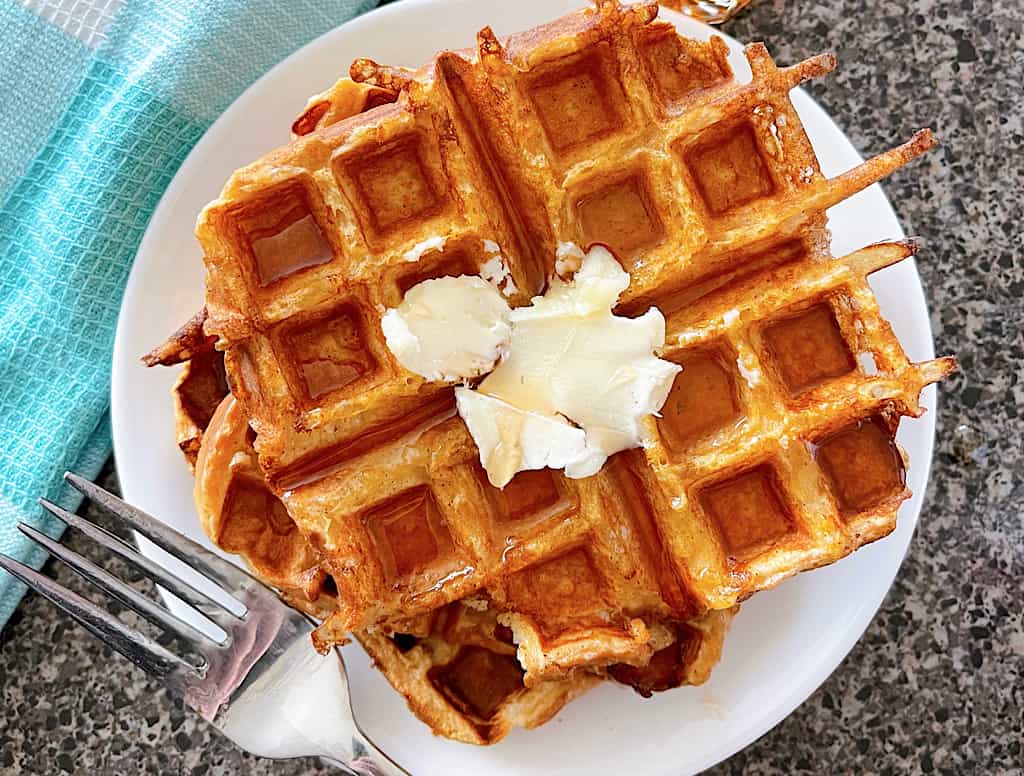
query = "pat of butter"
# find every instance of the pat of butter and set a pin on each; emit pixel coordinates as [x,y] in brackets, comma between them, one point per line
[511,439]
[449,329]
[573,381]
[570,356]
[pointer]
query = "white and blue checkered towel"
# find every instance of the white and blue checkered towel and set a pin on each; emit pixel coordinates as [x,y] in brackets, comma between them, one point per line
[102,100]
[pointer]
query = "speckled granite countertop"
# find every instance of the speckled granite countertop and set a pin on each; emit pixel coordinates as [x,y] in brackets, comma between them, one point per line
[937,682]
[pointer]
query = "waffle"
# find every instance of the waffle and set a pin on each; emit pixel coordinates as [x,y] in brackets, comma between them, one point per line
[456,666]
[691,649]
[202,382]
[775,452]
[462,678]
[343,100]
[200,386]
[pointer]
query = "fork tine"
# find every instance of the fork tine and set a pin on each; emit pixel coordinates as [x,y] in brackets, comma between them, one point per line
[180,546]
[186,592]
[114,587]
[141,650]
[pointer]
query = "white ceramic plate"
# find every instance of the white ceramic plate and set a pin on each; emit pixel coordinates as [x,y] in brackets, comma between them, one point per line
[784,643]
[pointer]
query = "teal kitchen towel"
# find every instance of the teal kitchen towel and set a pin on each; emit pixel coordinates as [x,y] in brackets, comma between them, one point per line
[101,101]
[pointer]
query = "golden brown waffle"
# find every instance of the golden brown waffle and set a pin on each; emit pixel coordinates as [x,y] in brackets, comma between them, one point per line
[441,664]
[457,669]
[462,678]
[456,666]
[240,514]
[775,452]
[688,660]
[343,100]
[200,386]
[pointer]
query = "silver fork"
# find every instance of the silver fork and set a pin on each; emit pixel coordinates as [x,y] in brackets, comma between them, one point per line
[262,685]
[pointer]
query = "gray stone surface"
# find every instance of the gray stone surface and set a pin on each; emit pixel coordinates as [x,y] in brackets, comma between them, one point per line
[936,685]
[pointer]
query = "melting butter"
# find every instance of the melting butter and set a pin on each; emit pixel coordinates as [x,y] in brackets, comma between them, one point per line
[449,329]
[570,357]
[511,439]
[571,381]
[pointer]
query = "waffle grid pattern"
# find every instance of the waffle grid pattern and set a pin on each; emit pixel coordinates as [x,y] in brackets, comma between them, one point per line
[456,665]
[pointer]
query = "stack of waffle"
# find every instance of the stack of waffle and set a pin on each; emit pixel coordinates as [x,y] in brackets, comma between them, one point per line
[350,483]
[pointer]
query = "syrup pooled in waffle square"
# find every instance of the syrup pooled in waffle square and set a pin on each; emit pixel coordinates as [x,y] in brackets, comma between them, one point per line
[775,452]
